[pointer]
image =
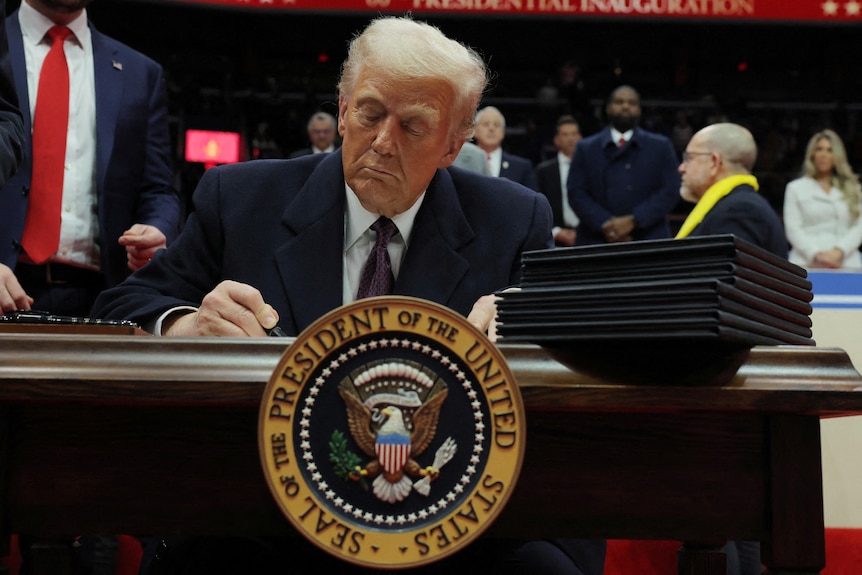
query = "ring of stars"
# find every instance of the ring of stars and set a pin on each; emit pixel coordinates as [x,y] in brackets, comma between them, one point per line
[436,506]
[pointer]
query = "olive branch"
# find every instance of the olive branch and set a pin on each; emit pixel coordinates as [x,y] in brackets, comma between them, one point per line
[343,460]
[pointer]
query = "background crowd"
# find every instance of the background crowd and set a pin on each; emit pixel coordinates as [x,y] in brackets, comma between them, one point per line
[265,72]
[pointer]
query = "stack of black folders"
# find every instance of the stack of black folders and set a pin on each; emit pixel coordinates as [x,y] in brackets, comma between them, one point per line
[689,301]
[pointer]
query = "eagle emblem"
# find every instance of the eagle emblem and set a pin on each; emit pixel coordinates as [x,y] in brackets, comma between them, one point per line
[392,412]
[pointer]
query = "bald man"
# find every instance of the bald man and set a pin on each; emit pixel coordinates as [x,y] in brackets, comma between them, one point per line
[716,174]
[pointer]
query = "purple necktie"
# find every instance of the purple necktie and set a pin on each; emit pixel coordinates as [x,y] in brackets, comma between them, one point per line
[377,276]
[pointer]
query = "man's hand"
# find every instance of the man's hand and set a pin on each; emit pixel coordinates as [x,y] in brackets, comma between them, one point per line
[232,309]
[566,237]
[12,295]
[141,243]
[619,229]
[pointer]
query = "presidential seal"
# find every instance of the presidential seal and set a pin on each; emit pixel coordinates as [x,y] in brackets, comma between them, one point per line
[391,433]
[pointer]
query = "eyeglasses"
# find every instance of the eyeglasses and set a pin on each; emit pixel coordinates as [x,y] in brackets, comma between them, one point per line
[689,156]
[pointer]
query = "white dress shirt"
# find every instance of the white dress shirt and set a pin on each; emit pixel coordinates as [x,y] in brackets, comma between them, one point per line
[79,226]
[569,217]
[816,221]
[495,161]
[359,240]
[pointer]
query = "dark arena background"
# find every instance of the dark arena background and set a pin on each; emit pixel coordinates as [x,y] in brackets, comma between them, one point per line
[261,68]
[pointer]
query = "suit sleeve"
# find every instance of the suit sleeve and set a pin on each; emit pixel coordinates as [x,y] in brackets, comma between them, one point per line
[581,195]
[539,236]
[179,276]
[656,206]
[11,125]
[158,202]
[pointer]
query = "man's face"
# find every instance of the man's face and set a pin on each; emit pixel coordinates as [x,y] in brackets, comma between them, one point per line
[489,131]
[395,136]
[321,133]
[624,109]
[567,138]
[697,170]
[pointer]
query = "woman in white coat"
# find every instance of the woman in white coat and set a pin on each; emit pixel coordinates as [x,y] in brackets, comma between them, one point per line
[821,209]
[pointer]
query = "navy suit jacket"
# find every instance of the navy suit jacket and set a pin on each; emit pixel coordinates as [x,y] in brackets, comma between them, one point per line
[278,225]
[11,127]
[747,215]
[133,152]
[548,175]
[519,170]
[640,179]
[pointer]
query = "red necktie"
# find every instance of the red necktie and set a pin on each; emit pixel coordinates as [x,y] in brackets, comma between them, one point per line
[377,276]
[50,125]
[622,142]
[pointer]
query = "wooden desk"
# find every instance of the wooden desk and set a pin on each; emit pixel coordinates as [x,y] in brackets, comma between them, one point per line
[158,435]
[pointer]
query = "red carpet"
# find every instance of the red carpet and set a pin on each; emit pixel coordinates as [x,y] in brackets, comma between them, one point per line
[843,555]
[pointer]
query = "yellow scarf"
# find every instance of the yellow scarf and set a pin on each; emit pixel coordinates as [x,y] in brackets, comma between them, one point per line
[715,192]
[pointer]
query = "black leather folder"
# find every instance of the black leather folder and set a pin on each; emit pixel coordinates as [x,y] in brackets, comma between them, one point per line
[644,254]
[620,295]
[708,326]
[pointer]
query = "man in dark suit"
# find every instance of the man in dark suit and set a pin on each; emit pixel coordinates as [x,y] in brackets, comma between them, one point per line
[11,126]
[490,131]
[623,180]
[321,134]
[294,236]
[118,203]
[552,176]
[716,175]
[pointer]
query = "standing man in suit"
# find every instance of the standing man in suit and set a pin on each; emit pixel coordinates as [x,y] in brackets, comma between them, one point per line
[490,131]
[623,180]
[716,175]
[553,175]
[118,205]
[321,134]
[299,238]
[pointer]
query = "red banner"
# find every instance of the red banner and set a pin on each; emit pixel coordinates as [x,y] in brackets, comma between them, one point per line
[821,11]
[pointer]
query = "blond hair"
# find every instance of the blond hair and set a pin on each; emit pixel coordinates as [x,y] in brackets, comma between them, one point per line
[843,177]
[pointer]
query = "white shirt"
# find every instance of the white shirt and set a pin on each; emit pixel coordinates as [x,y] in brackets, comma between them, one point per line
[569,217]
[79,226]
[495,161]
[616,135]
[316,150]
[359,240]
[815,221]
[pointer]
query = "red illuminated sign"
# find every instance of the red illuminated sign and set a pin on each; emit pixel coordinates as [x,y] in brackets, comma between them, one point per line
[823,11]
[212,147]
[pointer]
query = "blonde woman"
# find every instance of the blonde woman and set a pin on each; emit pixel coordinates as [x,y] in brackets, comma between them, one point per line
[821,208]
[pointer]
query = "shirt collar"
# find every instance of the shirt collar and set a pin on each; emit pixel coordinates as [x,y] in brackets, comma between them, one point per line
[35,25]
[563,159]
[358,219]
[616,135]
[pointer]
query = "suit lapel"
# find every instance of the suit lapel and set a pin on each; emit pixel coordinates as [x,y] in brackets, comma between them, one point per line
[311,260]
[433,266]
[109,79]
[19,71]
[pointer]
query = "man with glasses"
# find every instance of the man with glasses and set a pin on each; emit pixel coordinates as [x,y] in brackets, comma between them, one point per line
[321,134]
[716,174]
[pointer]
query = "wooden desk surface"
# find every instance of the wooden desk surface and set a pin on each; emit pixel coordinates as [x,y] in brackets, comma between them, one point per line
[159,435]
